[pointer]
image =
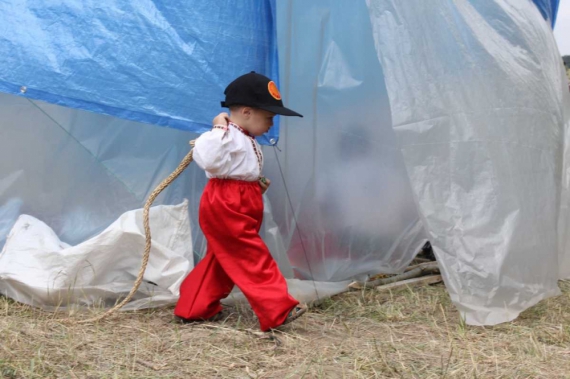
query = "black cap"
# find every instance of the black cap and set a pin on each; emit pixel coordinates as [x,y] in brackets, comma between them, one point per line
[257,91]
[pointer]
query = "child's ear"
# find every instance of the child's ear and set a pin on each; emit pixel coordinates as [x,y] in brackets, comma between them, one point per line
[246,111]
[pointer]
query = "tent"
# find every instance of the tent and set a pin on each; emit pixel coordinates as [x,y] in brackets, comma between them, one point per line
[443,122]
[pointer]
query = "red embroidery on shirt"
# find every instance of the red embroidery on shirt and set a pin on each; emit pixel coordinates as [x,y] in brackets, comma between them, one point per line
[241,130]
[257,152]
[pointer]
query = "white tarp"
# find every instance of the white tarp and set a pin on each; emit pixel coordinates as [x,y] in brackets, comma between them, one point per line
[476,91]
[37,268]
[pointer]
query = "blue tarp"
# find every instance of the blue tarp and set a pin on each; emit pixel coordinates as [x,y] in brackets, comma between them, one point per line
[548,8]
[160,62]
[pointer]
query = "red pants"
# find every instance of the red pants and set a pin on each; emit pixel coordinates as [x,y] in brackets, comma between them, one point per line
[231,213]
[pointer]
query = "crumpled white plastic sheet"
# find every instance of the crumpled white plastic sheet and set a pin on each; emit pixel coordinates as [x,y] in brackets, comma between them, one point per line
[36,268]
[477,97]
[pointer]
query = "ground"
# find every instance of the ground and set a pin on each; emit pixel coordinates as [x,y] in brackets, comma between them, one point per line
[404,334]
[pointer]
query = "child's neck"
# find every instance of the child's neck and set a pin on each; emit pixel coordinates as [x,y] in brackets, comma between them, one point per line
[240,122]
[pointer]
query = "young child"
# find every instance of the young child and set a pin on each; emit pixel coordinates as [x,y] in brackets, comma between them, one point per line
[231,211]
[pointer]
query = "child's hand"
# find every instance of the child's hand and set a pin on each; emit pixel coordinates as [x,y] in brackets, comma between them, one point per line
[221,119]
[264,183]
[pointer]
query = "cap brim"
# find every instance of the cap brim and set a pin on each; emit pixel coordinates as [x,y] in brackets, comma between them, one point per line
[281,111]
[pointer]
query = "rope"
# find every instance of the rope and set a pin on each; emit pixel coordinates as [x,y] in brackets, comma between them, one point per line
[165,183]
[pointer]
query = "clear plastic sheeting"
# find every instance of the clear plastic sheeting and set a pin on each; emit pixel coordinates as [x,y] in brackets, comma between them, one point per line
[345,208]
[438,120]
[476,91]
[78,171]
[564,220]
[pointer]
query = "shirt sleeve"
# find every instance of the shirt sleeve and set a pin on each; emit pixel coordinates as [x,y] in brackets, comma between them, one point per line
[213,152]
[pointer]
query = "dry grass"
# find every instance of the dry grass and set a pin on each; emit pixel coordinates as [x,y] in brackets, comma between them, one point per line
[405,334]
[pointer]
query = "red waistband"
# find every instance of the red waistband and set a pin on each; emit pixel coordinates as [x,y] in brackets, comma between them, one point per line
[232,181]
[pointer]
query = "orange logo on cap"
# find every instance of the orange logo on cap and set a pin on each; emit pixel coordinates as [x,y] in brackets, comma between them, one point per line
[273,91]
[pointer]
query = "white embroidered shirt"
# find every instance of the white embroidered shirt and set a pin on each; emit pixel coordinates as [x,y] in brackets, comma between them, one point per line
[229,154]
